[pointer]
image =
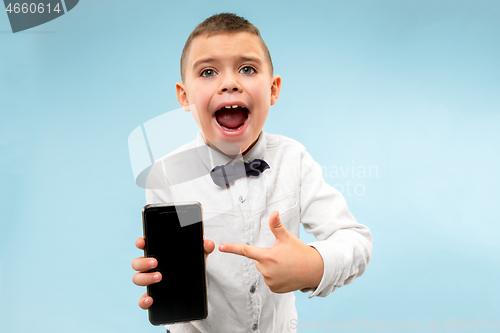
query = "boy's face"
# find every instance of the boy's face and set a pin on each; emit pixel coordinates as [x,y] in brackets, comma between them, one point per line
[229,80]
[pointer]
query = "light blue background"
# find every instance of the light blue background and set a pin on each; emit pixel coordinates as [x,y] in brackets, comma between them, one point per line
[408,87]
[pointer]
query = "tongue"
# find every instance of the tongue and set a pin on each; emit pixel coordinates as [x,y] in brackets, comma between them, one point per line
[231,118]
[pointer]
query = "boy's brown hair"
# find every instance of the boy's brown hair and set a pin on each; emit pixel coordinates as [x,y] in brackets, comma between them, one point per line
[224,23]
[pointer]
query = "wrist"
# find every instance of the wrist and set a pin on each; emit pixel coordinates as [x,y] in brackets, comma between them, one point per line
[316,269]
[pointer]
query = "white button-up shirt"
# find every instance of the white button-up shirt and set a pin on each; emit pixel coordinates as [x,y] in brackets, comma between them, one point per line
[238,298]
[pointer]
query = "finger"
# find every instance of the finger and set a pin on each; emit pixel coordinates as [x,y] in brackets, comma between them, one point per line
[276,226]
[142,264]
[208,246]
[145,279]
[140,243]
[145,301]
[249,251]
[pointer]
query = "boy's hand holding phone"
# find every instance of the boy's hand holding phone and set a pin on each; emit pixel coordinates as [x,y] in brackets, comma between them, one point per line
[288,265]
[142,265]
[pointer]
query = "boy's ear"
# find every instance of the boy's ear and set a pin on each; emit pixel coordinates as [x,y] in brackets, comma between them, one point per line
[182,96]
[275,89]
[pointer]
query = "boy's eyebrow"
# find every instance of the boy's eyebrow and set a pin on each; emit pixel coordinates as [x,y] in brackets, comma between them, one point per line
[242,58]
[201,61]
[252,59]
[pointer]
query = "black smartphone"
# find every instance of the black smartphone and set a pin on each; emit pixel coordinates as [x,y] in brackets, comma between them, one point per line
[174,236]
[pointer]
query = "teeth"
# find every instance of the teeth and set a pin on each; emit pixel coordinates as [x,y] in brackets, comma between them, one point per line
[232,106]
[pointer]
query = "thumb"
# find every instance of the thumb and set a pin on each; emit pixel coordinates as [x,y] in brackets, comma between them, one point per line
[276,226]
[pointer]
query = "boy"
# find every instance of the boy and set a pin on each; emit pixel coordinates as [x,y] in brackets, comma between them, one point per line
[228,85]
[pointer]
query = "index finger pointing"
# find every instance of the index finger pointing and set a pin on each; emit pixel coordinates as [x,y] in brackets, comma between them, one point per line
[249,251]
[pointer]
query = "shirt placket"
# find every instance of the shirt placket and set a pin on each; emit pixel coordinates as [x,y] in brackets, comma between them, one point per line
[239,192]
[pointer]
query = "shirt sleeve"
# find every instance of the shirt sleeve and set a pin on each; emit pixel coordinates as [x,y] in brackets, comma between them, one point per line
[344,245]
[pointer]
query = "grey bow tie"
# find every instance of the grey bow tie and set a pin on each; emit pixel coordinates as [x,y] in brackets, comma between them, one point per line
[223,175]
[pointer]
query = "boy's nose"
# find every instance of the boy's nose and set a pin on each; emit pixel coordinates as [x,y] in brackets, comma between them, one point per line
[230,85]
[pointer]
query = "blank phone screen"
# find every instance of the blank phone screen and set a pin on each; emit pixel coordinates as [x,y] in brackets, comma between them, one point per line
[174,236]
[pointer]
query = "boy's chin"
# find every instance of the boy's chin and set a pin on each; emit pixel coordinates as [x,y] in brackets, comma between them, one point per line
[234,145]
[227,148]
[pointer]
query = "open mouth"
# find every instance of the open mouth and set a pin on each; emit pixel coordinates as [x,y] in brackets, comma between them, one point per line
[232,117]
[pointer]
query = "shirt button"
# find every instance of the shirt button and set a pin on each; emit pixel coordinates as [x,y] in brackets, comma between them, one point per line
[252,289]
[242,199]
[254,327]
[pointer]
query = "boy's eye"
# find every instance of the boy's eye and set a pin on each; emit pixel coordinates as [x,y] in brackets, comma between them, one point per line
[208,73]
[247,70]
